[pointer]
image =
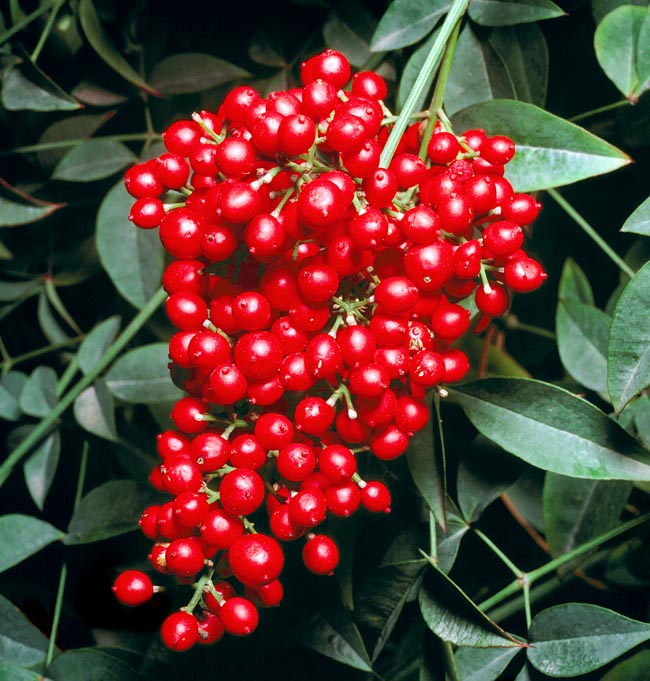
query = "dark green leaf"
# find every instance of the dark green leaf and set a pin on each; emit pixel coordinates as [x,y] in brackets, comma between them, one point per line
[94,411]
[552,429]
[21,536]
[574,285]
[261,51]
[11,672]
[41,467]
[133,258]
[193,72]
[634,668]
[639,221]
[142,376]
[582,335]
[577,638]
[484,473]
[621,43]
[38,396]
[75,127]
[412,70]
[576,510]
[96,343]
[601,8]
[642,419]
[349,31]
[47,321]
[524,54]
[11,386]
[527,497]
[629,341]
[102,44]
[92,160]
[483,664]
[26,87]
[477,74]
[21,642]
[16,290]
[425,468]
[551,152]
[96,95]
[108,510]
[629,564]
[91,664]
[405,22]
[524,674]
[448,542]
[454,617]
[18,208]
[510,12]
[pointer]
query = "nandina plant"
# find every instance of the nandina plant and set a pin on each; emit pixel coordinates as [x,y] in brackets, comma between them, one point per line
[369,414]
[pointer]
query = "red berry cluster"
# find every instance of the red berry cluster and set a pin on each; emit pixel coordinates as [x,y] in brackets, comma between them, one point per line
[317,296]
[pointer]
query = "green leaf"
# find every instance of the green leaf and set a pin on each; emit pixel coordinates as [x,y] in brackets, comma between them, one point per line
[21,536]
[26,87]
[629,341]
[524,54]
[11,672]
[193,72]
[11,291]
[38,396]
[11,386]
[75,127]
[133,258]
[552,429]
[574,285]
[424,465]
[18,208]
[601,8]
[527,497]
[577,638]
[40,468]
[349,30]
[92,160]
[484,473]
[47,321]
[94,411]
[510,12]
[551,152]
[634,668]
[582,335]
[483,664]
[576,510]
[91,664]
[262,52]
[21,642]
[448,542]
[629,564]
[102,44]
[109,510]
[621,42]
[89,92]
[405,22]
[477,74]
[639,221]
[96,343]
[412,71]
[454,617]
[142,376]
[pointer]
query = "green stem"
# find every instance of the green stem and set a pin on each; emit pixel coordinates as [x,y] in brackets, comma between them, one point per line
[45,7]
[198,591]
[456,11]
[65,380]
[47,29]
[46,424]
[64,144]
[512,322]
[591,232]
[433,537]
[443,455]
[498,552]
[83,465]
[600,109]
[12,361]
[451,668]
[56,617]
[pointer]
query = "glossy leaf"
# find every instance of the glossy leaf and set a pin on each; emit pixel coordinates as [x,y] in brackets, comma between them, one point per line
[483,664]
[349,31]
[510,12]
[576,510]
[582,335]
[576,638]
[97,342]
[601,8]
[40,468]
[38,396]
[93,160]
[454,617]
[20,641]
[405,22]
[133,258]
[142,376]
[639,221]
[574,285]
[94,411]
[635,668]
[91,664]
[11,386]
[552,429]
[18,208]
[551,152]
[102,44]
[21,536]
[448,541]
[621,43]
[109,510]
[629,341]
[26,88]
[193,72]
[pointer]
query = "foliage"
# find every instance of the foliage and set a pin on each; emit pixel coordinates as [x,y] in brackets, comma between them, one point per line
[517,543]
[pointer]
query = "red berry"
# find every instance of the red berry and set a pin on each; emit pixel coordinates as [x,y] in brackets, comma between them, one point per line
[179,631]
[320,555]
[239,616]
[133,587]
[256,559]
